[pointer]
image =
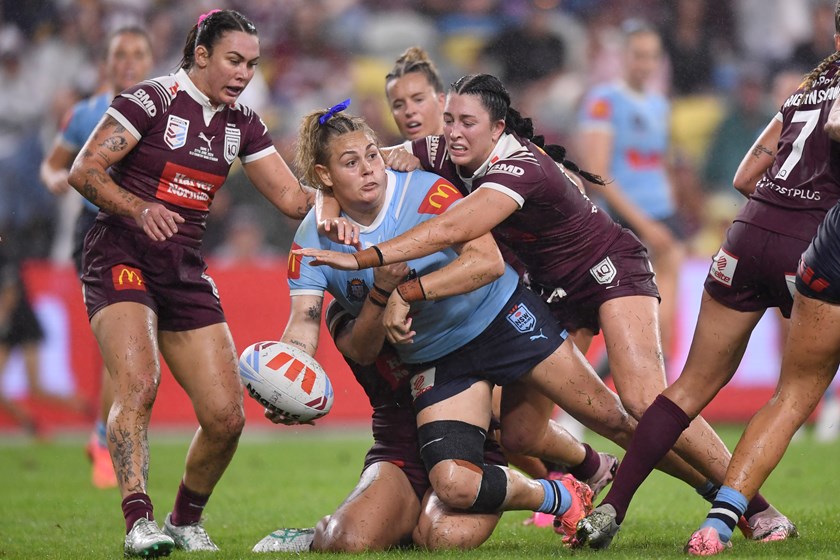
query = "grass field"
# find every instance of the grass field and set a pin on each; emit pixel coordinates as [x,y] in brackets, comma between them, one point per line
[49,510]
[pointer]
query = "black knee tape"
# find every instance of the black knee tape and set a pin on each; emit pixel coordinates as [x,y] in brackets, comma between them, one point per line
[451,439]
[492,492]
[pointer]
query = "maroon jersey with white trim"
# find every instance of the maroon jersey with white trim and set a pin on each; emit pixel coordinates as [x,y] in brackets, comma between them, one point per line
[557,232]
[185,148]
[803,183]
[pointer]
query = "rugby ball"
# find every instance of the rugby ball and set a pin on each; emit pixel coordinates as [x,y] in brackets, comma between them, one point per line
[284,378]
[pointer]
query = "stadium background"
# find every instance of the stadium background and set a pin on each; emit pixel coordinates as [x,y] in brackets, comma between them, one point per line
[728,63]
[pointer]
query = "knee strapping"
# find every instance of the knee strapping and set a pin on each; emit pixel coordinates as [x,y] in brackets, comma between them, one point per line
[445,440]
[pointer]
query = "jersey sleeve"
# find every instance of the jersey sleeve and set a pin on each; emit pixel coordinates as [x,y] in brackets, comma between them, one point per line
[431,194]
[141,106]
[257,143]
[303,278]
[72,132]
[428,150]
[597,112]
[518,179]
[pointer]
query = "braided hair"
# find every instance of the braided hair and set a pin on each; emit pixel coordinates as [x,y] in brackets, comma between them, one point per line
[811,77]
[210,29]
[496,100]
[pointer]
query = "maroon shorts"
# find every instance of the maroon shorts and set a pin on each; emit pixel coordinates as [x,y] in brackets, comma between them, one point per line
[124,265]
[624,271]
[755,269]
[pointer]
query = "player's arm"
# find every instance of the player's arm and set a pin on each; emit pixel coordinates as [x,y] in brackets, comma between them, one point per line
[479,262]
[55,168]
[304,324]
[832,124]
[759,158]
[471,218]
[361,340]
[109,143]
[276,182]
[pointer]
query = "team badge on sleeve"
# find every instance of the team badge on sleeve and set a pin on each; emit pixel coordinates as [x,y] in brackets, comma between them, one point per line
[293,271]
[600,109]
[439,198]
[522,319]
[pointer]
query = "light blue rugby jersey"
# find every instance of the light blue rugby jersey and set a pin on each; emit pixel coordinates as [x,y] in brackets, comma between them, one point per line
[442,326]
[84,117]
[640,130]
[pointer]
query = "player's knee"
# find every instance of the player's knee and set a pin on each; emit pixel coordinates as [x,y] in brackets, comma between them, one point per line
[137,394]
[338,534]
[225,424]
[520,440]
[453,453]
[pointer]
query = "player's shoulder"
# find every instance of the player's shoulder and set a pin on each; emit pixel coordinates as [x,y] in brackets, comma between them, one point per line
[154,96]
[516,158]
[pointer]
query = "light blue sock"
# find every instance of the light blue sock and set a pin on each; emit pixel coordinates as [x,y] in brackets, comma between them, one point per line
[101,432]
[557,499]
[727,509]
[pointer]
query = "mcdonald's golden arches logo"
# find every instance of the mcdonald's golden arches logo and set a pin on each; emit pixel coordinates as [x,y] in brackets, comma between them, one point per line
[127,278]
[439,198]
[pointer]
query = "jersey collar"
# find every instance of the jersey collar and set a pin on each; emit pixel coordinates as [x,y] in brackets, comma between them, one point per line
[507,144]
[186,84]
[383,213]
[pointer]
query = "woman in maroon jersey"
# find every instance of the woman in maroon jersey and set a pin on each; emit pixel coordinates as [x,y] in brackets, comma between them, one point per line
[593,273]
[153,165]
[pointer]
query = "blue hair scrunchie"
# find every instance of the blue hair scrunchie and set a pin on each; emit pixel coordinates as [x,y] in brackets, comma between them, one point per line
[333,110]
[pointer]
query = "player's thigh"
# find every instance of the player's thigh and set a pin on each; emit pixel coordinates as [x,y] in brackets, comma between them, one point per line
[441,528]
[380,512]
[203,361]
[524,410]
[126,333]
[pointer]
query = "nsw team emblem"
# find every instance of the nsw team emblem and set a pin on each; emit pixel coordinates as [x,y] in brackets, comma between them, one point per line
[522,319]
[357,290]
[232,136]
[604,272]
[175,134]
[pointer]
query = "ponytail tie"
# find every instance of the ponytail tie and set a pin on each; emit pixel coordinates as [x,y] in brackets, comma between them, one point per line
[333,110]
[202,17]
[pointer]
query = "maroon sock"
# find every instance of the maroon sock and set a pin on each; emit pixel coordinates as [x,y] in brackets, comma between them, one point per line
[756,505]
[589,466]
[188,506]
[134,507]
[657,432]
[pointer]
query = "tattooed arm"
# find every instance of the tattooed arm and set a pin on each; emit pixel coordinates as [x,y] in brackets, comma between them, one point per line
[275,181]
[109,143]
[758,159]
[304,324]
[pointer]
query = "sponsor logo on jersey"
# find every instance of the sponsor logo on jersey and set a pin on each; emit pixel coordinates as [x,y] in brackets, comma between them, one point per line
[806,274]
[508,169]
[439,198]
[232,136]
[187,187]
[293,270]
[422,382]
[212,284]
[357,290]
[127,278]
[141,98]
[723,267]
[175,134]
[432,144]
[604,272]
[521,318]
[600,109]
[391,369]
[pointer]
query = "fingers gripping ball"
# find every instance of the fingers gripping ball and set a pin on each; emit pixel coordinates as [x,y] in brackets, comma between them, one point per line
[284,378]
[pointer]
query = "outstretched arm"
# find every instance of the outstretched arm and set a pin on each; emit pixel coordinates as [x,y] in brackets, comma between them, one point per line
[471,218]
[759,158]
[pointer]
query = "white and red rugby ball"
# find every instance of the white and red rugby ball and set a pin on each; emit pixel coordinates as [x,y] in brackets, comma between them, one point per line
[285,378]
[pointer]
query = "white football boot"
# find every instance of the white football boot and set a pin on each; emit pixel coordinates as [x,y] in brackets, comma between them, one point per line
[191,538]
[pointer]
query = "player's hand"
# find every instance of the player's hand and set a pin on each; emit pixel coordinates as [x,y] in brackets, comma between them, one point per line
[399,159]
[280,417]
[396,320]
[657,238]
[340,230]
[390,276]
[157,221]
[58,184]
[325,257]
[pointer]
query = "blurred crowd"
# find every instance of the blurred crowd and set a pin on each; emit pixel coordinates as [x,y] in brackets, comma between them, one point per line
[729,65]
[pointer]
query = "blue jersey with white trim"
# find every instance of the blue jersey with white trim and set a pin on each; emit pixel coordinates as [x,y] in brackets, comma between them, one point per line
[84,116]
[639,127]
[443,325]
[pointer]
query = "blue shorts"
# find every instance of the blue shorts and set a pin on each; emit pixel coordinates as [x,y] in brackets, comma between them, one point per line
[521,336]
[818,275]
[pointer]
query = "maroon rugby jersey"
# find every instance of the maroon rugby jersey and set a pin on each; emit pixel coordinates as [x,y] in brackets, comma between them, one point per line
[557,233]
[803,183]
[185,148]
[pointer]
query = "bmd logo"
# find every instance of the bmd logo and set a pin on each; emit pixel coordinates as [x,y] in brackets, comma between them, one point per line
[507,168]
[127,278]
